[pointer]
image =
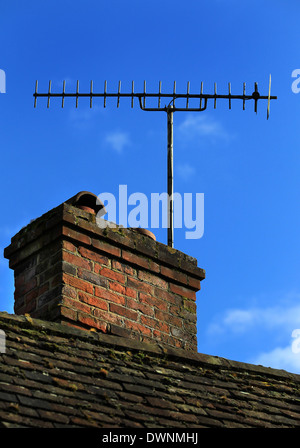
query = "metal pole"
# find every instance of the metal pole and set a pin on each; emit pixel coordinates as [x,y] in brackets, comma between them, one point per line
[170,177]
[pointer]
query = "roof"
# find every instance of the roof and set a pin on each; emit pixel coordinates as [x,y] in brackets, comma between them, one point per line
[52,375]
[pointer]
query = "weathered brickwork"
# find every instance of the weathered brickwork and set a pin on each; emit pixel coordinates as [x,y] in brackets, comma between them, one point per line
[115,280]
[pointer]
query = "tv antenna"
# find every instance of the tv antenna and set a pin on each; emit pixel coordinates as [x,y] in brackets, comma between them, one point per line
[184,98]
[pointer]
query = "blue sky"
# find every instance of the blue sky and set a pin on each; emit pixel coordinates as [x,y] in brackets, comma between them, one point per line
[247,167]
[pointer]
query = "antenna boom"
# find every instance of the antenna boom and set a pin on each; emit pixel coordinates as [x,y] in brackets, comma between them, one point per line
[170,109]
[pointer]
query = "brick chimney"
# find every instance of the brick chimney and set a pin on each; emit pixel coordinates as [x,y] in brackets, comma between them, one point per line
[119,281]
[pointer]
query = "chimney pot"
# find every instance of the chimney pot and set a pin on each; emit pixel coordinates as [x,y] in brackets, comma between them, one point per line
[87,201]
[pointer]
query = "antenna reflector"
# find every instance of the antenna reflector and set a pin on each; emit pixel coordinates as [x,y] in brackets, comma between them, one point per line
[269,99]
[215,102]
[244,94]
[119,91]
[49,93]
[35,98]
[229,94]
[201,92]
[132,94]
[105,89]
[91,96]
[63,94]
[174,93]
[159,92]
[77,92]
[255,96]
[187,94]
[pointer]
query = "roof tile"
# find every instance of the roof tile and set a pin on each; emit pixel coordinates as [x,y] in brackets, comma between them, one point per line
[55,376]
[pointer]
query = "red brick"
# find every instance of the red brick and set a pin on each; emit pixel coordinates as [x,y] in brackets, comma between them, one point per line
[69,246]
[113,275]
[108,317]
[135,259]
[68,313]
[176,310]
[108,295]
[153,279]
[123,268]
[69,292]
[92,300]
[92,277]
[139,285]
[182,334]
[31,295]
[154,323]
[77,261]
[130,292]
[22,288]
[71,303]
[167,296]
[166,317]
[92,255]
[30,306]
[129,270]
[155,267]
[77,283]
[29,274]
[138,327]
[153,301]
[184,292]
[106,247]
[92,322]
[136,305]
[122,311]
[190,327]
[194,283]
[55,281]
[188,306]
[115,286]
[98,267]
[174,274]
[117,265]
[168,339]
[77,236]
[140,261]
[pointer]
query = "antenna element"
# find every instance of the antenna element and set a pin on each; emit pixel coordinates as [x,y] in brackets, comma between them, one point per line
[169,109]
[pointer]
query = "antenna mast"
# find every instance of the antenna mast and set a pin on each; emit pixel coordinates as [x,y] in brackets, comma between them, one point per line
[203,99]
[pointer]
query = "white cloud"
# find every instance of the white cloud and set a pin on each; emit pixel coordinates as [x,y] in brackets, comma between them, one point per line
[244,320]
[271,325]
[84,117]
[117,140]
[195,126]
[280,358]
[185,171]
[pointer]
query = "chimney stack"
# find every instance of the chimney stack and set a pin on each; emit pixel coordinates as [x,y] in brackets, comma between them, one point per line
[119,281]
